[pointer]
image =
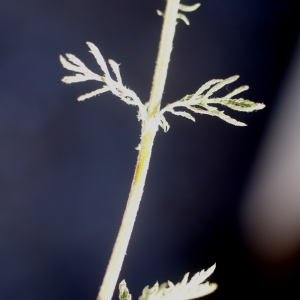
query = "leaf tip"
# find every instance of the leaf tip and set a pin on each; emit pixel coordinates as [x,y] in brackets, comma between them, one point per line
[160,13]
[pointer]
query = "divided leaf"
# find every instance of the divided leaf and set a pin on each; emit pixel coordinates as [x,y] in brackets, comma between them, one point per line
[82,73]
[183,290]
[201,102]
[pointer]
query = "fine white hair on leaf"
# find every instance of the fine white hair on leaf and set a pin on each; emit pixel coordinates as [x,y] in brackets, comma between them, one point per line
[82,73]
[184,290]
[202,102]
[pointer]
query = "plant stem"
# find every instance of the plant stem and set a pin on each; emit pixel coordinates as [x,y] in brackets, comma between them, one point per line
[149,129]
[163,57]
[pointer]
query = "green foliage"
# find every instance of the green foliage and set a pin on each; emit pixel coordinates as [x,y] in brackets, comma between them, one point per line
[184,290]
[72,63]
[123,291]
[201,101]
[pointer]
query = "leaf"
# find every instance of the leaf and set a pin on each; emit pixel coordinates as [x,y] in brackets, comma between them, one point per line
[160,13]
[189,8]
[94,93]
[214,112]
[183,290]
[237,91]
[152,293]
[206,86]
[67,65]
[183,114]
[226,118]
[163,123]
[82,77]
[200,102]
[116,69]
[72,63]
[76,61]
[221,84]
[99,58]
[123,291]
[183,18]
[76,78]
[240,104]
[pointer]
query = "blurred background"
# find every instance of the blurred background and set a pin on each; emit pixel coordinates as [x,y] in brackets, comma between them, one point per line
[214,192]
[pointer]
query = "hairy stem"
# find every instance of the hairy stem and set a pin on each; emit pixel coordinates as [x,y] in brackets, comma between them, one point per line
[135,195]
[149,129]
[163,57]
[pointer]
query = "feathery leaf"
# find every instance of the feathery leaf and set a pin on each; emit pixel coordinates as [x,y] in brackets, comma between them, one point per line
[115,86]
[201,102]
[183,290]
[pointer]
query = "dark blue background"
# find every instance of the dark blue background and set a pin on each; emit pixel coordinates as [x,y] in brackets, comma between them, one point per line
[66,167]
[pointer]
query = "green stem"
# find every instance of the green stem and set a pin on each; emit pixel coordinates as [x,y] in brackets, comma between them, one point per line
[149,129]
